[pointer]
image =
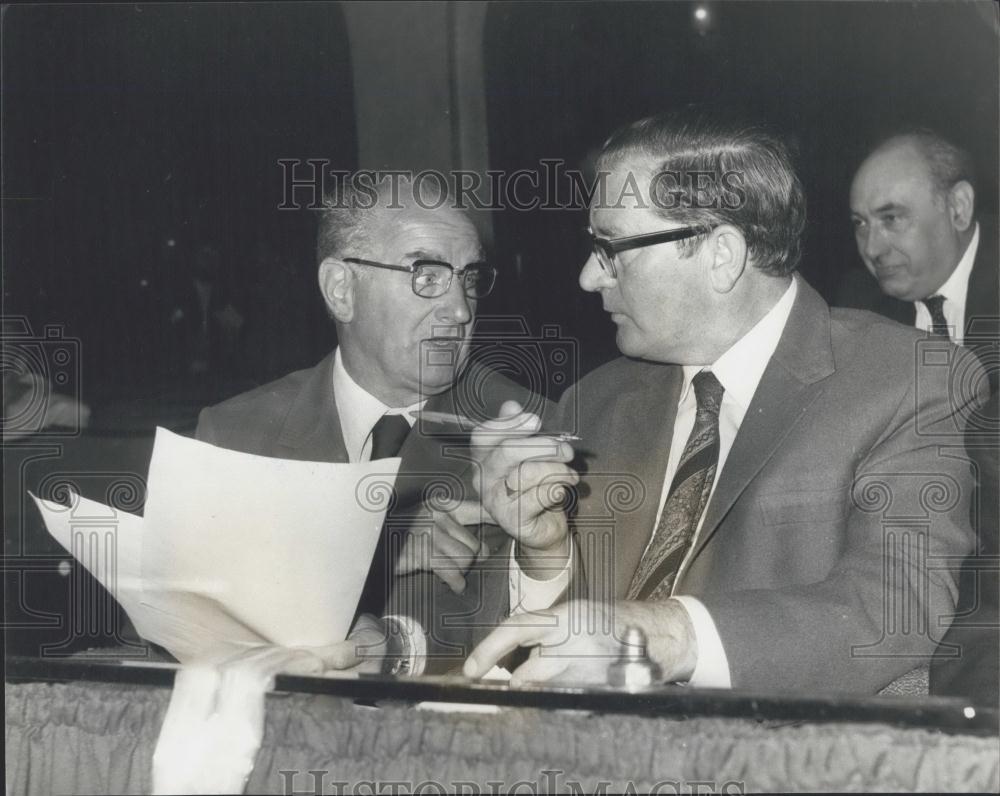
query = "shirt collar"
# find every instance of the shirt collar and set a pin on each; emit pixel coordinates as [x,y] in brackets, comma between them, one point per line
[740,368]
[359,410]
[955,287]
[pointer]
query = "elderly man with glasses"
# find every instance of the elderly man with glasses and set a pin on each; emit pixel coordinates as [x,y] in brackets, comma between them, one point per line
[401,274]
[773,491]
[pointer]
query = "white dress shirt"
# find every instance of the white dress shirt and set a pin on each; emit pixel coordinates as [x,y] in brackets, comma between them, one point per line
[739,370]
[955,291]
[359,411]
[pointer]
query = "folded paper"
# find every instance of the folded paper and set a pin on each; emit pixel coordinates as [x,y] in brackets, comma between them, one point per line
[234,549]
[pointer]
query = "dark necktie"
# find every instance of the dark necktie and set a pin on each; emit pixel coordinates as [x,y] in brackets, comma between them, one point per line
[388,436]
[935,306]
[686,501]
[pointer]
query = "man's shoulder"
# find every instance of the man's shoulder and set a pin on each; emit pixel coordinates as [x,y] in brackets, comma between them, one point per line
[859,324]
[618,376]
[858,289]
[871,342]
[253,414]
[482,389]
[878,355]
[275,393]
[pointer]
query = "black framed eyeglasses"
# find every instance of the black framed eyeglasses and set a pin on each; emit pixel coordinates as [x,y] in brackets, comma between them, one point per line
[432,278]
[605,249]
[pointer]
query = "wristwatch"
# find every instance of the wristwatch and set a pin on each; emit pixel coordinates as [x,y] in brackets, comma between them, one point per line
[402,646]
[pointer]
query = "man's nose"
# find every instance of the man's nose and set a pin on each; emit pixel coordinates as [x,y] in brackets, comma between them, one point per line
[593,277]
[872,243]
[454,306]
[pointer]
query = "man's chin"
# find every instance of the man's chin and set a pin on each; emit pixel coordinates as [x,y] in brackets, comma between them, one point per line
[436,379]
[895,284]
[629,344]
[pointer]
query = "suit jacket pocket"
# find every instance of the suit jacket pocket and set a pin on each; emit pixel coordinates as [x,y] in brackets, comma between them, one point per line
[811,506]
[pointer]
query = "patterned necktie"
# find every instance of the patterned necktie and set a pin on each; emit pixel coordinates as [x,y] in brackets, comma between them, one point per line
[686,501]
[935,306]
[388,435]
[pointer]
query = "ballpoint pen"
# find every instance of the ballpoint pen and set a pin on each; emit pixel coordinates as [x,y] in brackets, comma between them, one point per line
[466,423]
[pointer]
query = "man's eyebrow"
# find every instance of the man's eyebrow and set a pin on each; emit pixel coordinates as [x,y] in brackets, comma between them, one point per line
[422,254]
[890,207]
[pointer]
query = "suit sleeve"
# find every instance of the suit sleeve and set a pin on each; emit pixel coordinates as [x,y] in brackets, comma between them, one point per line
[886,602]
[206,431]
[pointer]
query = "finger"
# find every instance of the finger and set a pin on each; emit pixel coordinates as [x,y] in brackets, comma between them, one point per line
[457,531]
[416,553]
[523,630]
[510,408]
[548,475]
[343,655]
[492,432]
[516,451]
[448,552]
[452,576]
[469,512]
[539,669]
[531,503]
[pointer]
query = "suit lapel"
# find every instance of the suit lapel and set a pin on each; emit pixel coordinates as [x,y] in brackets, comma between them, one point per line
[427,459]
[792,381]
[637,445]
[312,428]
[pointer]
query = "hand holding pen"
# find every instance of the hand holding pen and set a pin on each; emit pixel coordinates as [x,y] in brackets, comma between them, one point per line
[522,482]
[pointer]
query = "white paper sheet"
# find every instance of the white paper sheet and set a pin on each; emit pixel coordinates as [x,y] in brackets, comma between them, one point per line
[234,550]
[106,541]
[284,546]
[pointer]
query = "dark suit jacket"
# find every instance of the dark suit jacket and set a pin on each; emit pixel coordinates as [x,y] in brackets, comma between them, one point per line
[296,417]
[840,483]
[967,663]
[982,302]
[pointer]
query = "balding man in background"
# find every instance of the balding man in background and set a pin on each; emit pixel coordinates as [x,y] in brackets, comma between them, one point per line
[935,263]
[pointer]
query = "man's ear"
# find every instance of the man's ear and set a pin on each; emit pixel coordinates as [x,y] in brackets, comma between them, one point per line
[961,205]
[728,250]
[336,283]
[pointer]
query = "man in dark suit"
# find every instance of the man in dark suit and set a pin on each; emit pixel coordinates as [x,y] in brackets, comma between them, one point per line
[935,266]
[757,470]
[401,279]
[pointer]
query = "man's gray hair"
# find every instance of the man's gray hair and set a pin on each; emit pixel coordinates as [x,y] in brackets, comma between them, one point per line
[351,210]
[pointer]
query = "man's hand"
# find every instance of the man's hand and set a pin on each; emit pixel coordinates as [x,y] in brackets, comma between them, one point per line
[577,641]
[362,651]
[522,485]
[442,544]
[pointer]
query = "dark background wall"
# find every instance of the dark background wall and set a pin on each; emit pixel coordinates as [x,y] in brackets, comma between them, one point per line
[127,127]
[561,76]
[135,133]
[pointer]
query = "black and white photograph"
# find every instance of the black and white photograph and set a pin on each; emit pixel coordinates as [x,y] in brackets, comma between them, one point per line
[487,397]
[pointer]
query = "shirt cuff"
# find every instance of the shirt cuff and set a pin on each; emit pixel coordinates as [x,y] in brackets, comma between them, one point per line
[412,657]
[528,594]
[712,668]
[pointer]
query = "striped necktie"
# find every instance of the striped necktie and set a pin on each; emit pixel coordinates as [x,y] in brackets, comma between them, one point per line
[686,501]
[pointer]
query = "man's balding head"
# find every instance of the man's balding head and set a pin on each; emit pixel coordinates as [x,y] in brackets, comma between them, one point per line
[912,204]
[399,346]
